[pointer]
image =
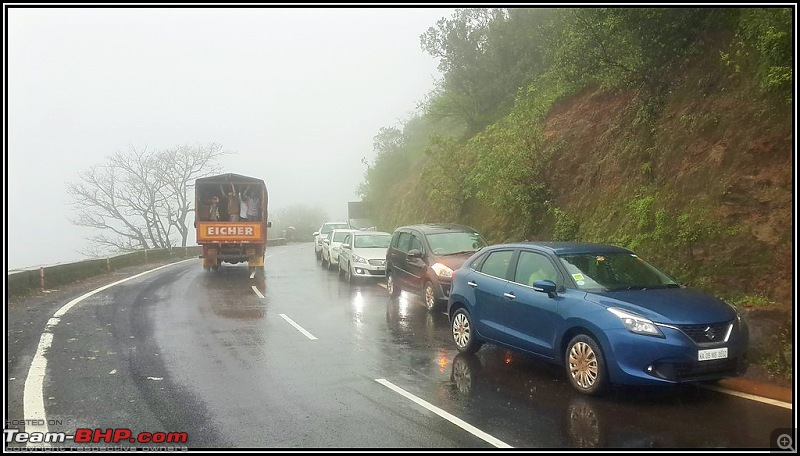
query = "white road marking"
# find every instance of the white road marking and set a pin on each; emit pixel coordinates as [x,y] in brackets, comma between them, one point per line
[451,418]
[382,285]
[276,253]
[752,397]
[298,327]
[257,292]
[33,393]
[253,274]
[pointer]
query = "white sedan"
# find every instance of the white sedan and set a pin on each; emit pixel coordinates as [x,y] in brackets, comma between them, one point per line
[331,247]
[363,254]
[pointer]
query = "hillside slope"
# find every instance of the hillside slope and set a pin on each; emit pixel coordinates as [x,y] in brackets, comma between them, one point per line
[704,188]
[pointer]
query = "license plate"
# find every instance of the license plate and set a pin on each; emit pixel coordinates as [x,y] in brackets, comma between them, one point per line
[714,353]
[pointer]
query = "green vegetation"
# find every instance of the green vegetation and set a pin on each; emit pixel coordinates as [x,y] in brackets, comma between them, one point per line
[780,363]
[749,300]
[665,130]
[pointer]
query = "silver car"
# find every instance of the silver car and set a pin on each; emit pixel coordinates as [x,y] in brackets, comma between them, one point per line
[363,254]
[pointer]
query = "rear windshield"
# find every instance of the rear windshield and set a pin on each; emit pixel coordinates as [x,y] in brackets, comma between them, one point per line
[339,236]
[372,241]
[333,226]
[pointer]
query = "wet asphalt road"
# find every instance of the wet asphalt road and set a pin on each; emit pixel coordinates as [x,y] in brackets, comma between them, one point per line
[183,350]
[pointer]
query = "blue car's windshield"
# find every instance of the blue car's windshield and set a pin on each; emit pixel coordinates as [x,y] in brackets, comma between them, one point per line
[369,241]
[614,272]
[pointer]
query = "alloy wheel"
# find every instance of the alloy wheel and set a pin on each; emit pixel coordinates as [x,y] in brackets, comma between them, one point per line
[430,297]
[583,365]
[461,330]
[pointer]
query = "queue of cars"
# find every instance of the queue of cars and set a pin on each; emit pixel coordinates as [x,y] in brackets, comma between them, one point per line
[600,311]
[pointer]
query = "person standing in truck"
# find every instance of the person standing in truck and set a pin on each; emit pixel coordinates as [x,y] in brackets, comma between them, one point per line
[233,203]
[253,206]
[243,199]
[213,209]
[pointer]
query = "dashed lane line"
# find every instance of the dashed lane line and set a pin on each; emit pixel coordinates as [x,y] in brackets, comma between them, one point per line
[298,327]
[449,417]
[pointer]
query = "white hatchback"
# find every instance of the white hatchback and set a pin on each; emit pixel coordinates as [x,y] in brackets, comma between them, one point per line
[331,245]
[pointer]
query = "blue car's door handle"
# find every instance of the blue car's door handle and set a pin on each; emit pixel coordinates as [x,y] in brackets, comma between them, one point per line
[509,295]
[472,284]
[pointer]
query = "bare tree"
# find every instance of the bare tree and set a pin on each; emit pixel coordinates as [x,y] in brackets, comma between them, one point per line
[141,199]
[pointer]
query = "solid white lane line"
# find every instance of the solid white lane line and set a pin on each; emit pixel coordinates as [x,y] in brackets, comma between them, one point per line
[298,327]
[33,393]
[752,397]
[257,292]
[451,418]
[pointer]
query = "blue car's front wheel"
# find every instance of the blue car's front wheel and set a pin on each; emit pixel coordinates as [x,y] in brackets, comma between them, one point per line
[586,366]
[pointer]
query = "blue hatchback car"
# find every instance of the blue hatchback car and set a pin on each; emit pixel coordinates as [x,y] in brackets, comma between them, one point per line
[602,312]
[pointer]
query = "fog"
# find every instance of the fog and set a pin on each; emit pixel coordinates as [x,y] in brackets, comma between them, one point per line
[296,95]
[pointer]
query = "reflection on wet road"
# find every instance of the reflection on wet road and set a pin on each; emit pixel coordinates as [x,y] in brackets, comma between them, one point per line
[264,383]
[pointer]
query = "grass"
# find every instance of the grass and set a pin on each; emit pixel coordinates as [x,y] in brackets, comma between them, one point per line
[752,300]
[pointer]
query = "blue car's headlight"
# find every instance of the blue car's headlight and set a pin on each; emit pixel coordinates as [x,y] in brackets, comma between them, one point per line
[635,323]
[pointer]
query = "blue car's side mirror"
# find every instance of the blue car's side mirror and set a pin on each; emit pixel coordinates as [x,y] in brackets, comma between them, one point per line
[545,286]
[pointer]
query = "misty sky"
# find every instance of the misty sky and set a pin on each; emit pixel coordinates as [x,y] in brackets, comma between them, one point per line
[297,94]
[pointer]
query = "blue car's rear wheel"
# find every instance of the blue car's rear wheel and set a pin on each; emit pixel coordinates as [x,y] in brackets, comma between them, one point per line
[586,366]
[464,333]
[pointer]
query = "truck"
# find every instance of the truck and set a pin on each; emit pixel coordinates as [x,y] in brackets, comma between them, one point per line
[359,215]
[221,231]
